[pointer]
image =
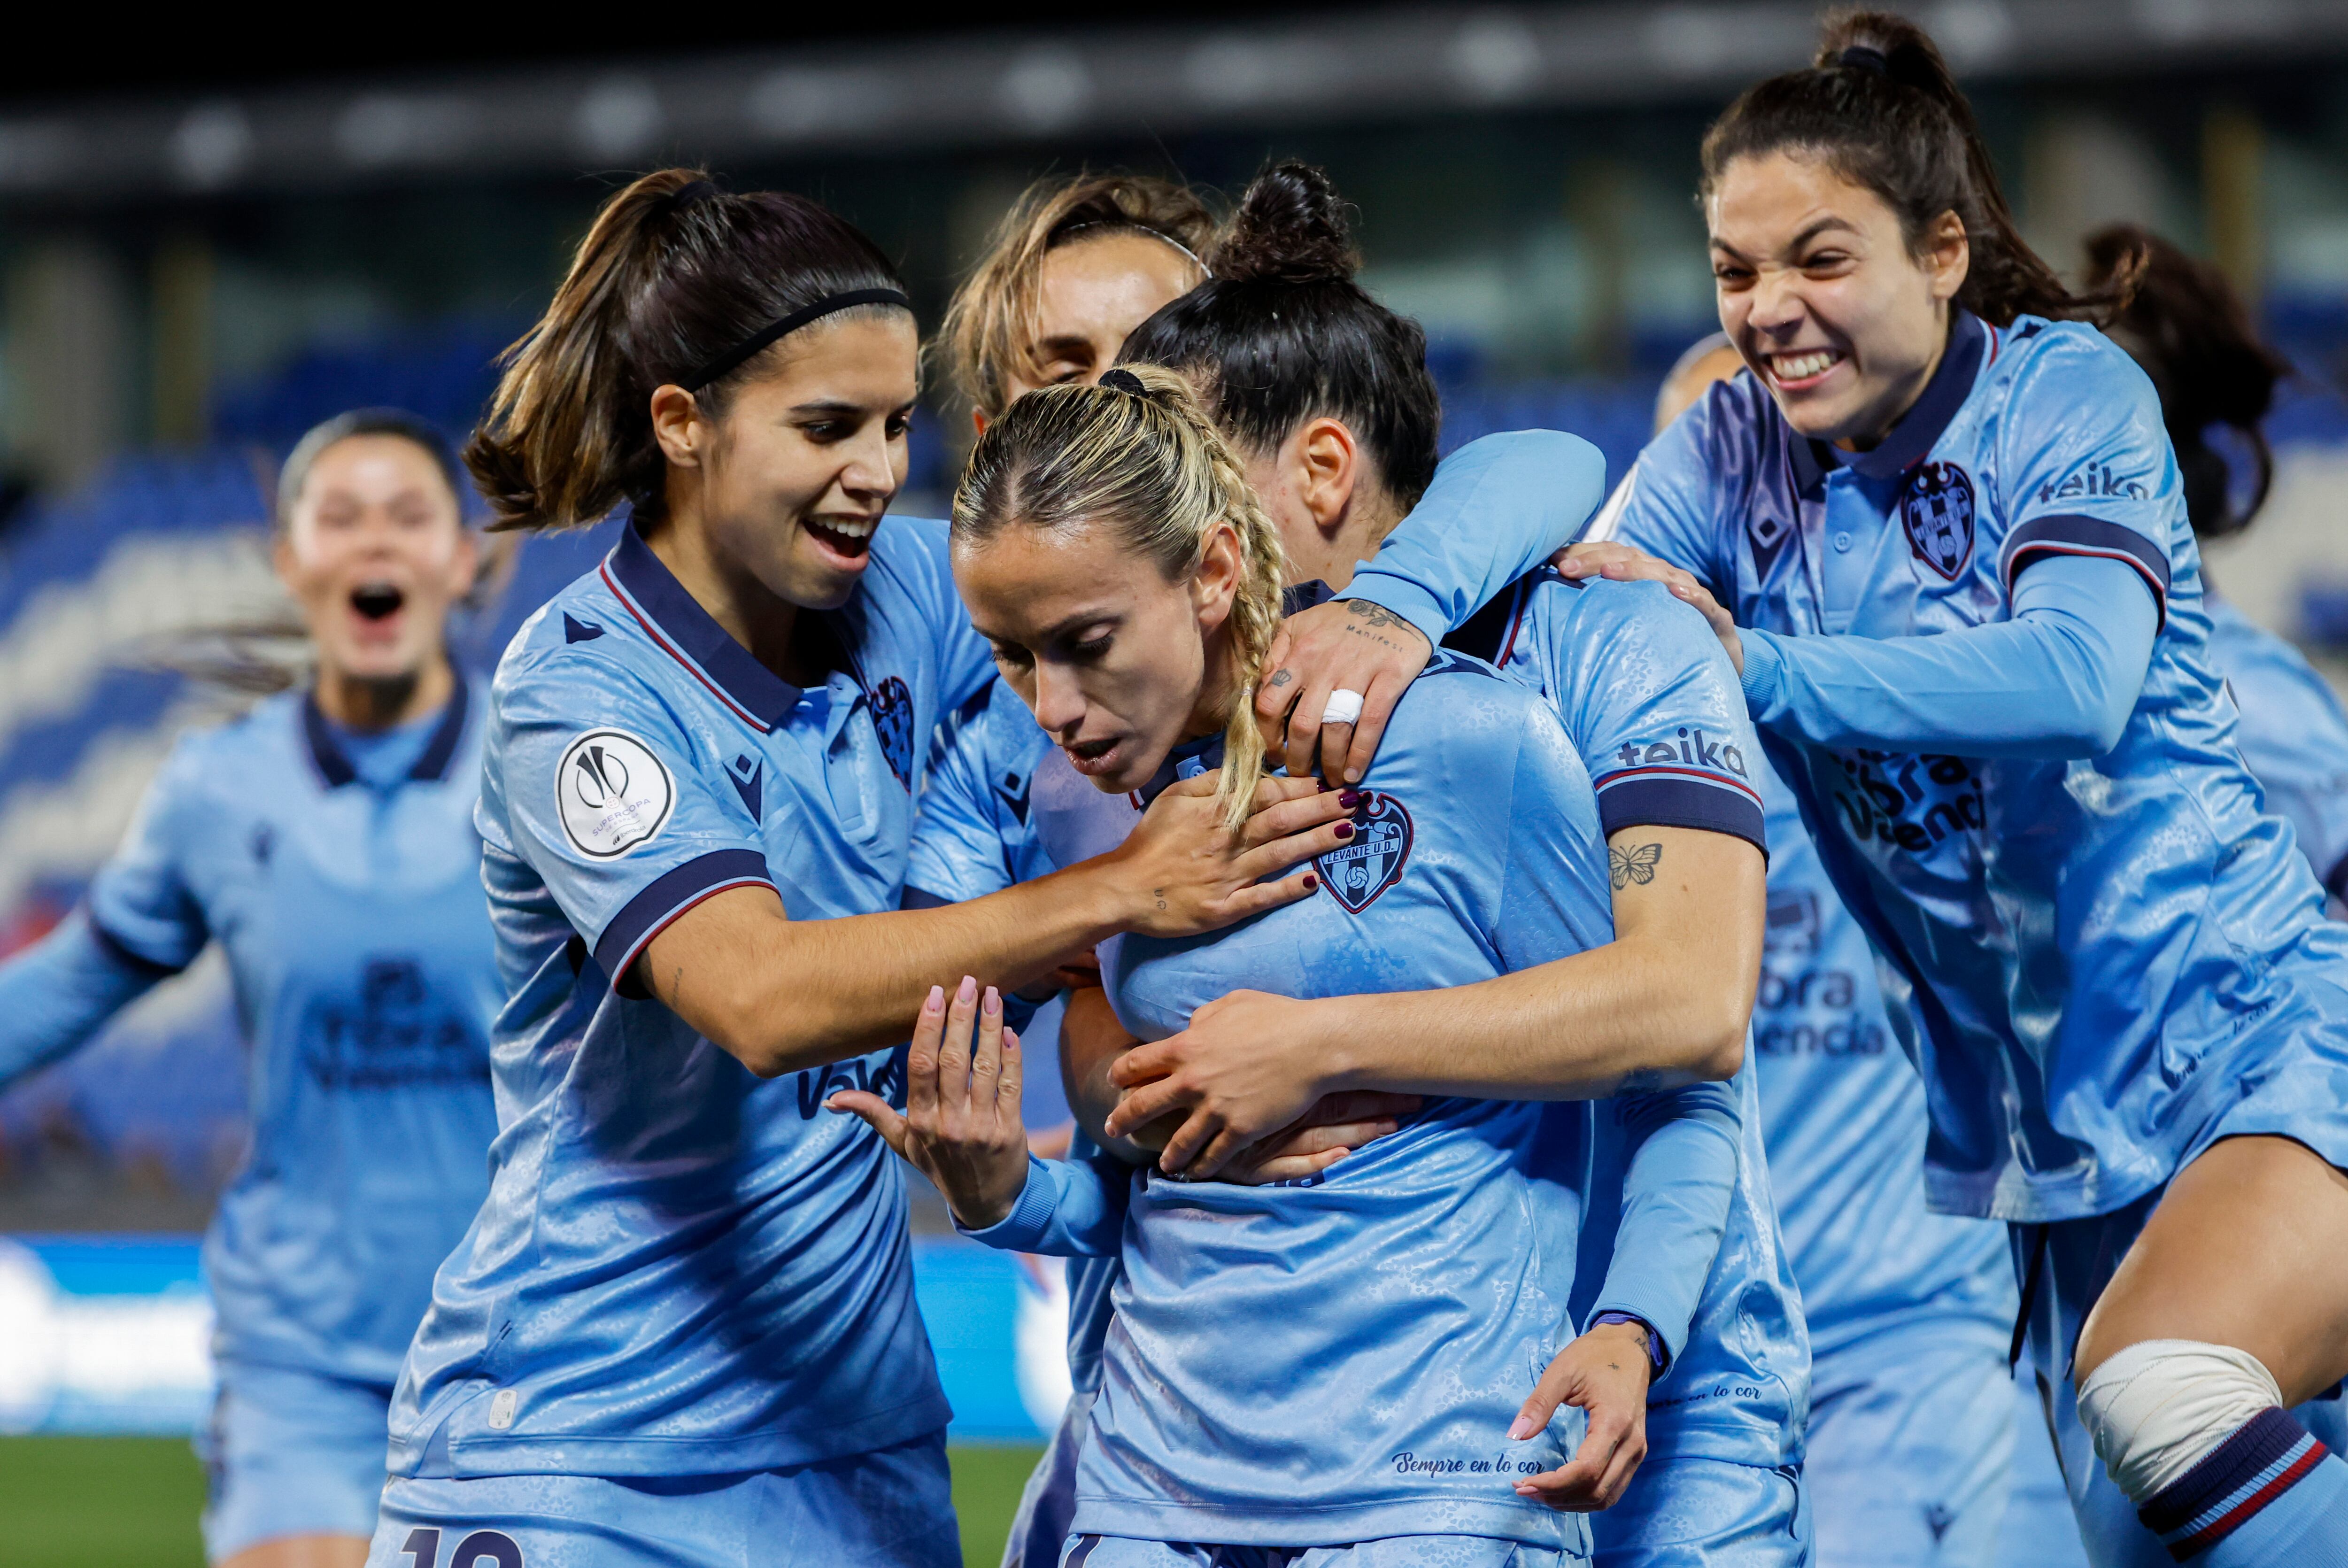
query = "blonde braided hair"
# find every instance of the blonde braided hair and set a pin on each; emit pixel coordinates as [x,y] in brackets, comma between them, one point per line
[1151,465]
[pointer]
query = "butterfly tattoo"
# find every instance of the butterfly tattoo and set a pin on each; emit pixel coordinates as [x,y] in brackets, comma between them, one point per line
[1635,864]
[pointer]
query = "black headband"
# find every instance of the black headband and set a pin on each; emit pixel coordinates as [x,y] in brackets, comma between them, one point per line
[1865,57]
[734,358]
[1123,380]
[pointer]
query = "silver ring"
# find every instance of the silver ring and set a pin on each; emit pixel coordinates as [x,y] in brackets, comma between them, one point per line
[1344,707]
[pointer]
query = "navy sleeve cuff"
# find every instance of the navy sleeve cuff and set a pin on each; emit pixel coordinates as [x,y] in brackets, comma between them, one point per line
[137,963]
[663,899]
[2066,534]
[1658,1352]
[1680,797]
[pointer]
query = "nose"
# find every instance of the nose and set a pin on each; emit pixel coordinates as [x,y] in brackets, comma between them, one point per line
[1774,303]
[1059,704]
[875,463]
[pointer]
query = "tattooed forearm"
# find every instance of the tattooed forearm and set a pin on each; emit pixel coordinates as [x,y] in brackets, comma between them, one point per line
[1629,863]
[1370,615]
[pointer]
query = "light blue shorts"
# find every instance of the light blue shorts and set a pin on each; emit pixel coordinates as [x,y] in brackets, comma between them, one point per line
[2039,1531]
[1399,1552]
[1910,1445]
[1039,1531]
[1691,1512]
[291,1453]
[890,1509]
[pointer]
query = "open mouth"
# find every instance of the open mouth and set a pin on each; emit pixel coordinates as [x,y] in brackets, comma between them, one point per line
[376,600]
[1803,368]
[848,538]
[1091,757]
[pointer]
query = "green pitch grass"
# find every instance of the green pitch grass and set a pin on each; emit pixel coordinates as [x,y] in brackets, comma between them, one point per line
[105,1502]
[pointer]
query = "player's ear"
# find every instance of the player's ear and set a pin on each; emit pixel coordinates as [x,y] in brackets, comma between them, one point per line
[1325,465]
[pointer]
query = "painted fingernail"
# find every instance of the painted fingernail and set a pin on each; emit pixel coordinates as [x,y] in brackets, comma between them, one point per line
[1521,1431]
[1311,883]
[937,1002]
[968,990]
[1345,829]
[994,1002]
[1349,799]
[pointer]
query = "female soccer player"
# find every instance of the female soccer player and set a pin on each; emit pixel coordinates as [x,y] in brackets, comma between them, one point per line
[1073,265]
[1110,547]
[326,839]
[1913,1407]
[1944,535]
[683,1323]
[2188,330]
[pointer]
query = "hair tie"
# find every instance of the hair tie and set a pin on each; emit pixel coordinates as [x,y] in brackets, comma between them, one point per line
[687,194]
[1123,380]
[1865,57]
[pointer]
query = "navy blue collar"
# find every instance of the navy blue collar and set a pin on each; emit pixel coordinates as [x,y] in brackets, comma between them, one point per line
[430,767]
[1918,428]
[677,620]
[1186,760]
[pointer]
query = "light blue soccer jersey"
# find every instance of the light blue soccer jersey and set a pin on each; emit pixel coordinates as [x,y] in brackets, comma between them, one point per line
[2101,952]
[1419,1287]
[2293,734]
[1651,703]
[682,1269]
[1843,1114]
[347,900]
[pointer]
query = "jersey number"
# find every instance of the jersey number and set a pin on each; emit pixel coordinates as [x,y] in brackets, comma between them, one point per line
[490,1546]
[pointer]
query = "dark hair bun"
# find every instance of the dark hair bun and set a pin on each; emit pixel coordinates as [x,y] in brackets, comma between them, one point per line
[1289,229]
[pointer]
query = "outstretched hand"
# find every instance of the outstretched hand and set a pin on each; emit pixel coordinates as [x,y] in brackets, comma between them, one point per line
[1606,1373]
[1348,644]
[961,1127]
[1626,563]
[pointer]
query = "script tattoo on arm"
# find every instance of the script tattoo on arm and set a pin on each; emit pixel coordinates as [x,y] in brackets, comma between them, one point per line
[1371,620]
[1632,863]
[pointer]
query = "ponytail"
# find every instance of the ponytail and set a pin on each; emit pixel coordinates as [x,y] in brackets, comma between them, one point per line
[672,274]
[1880,106]
[1138,455]
[2192,335]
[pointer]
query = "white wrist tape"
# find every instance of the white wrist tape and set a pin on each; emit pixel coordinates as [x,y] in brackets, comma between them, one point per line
[2158,1409]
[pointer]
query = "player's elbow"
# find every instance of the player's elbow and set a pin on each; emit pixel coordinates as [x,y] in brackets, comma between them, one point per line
[1717,1027]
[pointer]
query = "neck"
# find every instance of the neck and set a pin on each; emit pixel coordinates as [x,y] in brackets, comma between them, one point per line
[1905,395]
[384,702]
[751,614]
[1336,550]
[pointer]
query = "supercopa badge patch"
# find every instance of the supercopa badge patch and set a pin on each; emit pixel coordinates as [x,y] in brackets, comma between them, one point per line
[1937,511]
[612,793]
[1358,870]
[893,721]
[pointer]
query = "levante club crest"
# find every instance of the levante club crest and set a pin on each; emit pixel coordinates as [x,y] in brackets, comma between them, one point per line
[1937,511]
[893,721]
[1357,871]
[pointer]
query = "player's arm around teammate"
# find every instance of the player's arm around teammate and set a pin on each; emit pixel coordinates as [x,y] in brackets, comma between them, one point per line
[1871,276]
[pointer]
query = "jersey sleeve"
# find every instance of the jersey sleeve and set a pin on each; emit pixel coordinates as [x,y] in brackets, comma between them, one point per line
[958,850]
[139,901]
[1068,1209]
[1682,1150]
[57,993]
[1498,507]
[1552,901]
[2084,462]
[1654,707]
[1668,504]
[965,663]
[611,799]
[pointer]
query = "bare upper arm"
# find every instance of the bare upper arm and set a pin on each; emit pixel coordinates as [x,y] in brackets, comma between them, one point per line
[1701,896]
[701,963]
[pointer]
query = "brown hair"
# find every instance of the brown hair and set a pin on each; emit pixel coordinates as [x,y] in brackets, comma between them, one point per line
[2190,331]
[1150,465]
[1880,106]
[672,274]
[992,321]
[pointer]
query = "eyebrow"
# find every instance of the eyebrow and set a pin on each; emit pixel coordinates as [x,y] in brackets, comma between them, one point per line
[1804,238]
[839,405]
[1066,624]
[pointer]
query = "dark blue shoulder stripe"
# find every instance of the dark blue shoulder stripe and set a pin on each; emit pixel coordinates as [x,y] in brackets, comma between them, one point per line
[1666,802]
[665,898]
[2067,533]
[122,953]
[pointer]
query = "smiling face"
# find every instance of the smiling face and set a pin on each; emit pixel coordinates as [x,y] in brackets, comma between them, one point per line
[375,551]
[787,484]
[1091,294]
[1835,310]
[1118,664]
